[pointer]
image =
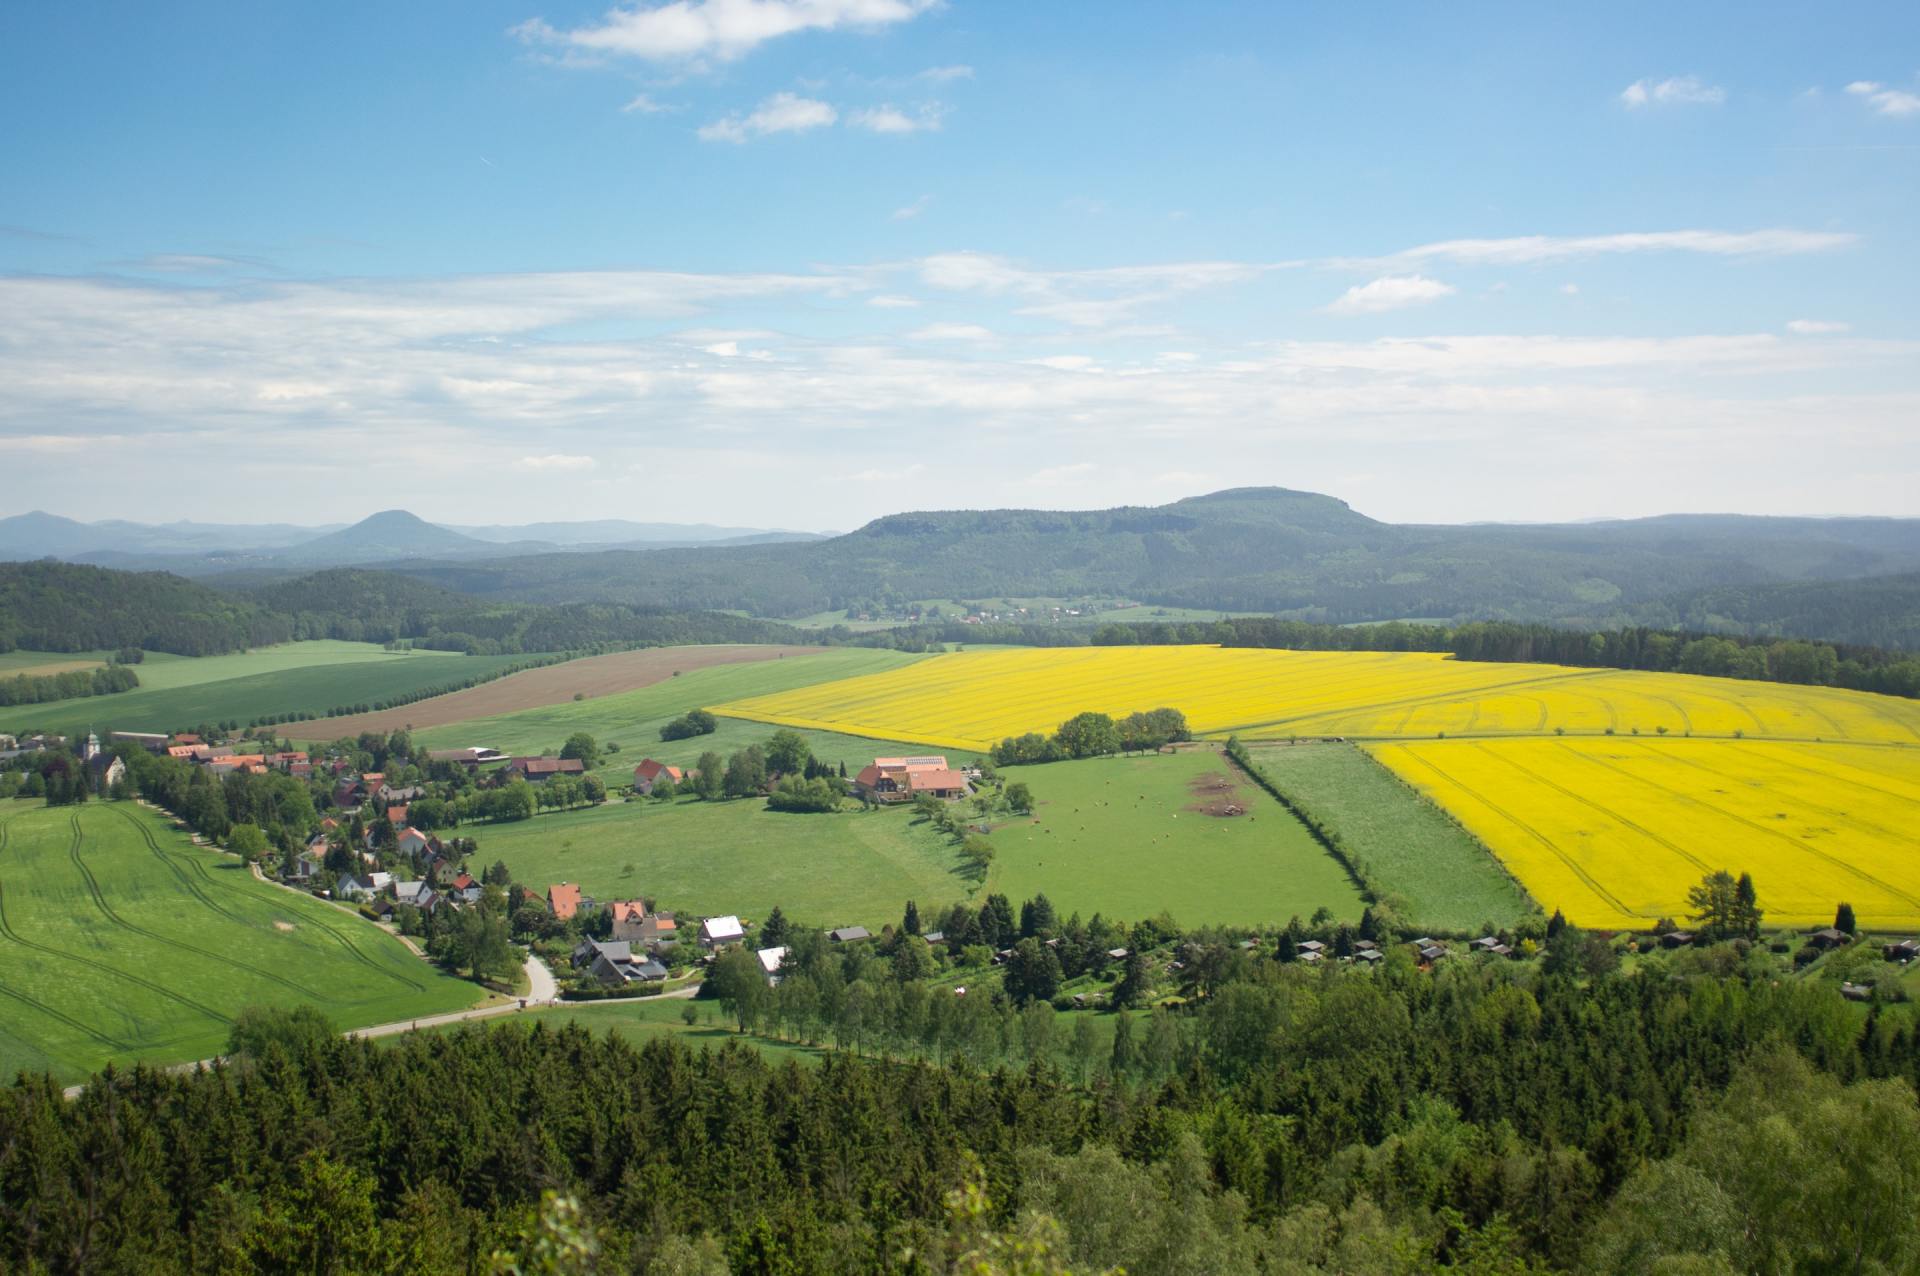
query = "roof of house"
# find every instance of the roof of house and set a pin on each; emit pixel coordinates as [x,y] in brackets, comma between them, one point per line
[648,769]
[628,910]
[933,781]
[849,934]
[411,832]
[727,927]
[546,766]
[564,899]
[397,814]
[923,762]
[770,958]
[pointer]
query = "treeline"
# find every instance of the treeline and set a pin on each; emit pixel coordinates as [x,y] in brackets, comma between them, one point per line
[1789,660]
[1284,1119]
[73,683]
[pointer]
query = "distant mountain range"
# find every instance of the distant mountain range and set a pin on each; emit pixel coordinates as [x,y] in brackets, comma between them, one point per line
[200,549]
[1264,550]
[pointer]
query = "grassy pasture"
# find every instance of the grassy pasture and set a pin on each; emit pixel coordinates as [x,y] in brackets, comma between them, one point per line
[120,940]
[1447,879]
[1123,836]
[38,664]
[705,858]
[177,691]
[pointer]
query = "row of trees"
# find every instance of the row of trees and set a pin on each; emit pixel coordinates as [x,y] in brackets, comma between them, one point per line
[1092,735]
[38,689]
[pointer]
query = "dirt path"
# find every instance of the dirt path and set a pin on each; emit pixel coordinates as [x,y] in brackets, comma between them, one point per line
[589,676]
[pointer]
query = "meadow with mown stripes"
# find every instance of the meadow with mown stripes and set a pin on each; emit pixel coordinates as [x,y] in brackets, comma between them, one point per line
[121,940]
[1606,793]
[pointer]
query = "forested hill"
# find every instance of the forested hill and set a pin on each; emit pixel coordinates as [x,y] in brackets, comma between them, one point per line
[1248,549]
[49,606]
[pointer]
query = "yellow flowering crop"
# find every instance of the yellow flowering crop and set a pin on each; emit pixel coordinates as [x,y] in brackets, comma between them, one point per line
[1614,831]
[969,700]
[1607,793]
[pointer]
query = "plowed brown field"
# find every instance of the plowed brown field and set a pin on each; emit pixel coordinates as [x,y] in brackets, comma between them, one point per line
[553,684]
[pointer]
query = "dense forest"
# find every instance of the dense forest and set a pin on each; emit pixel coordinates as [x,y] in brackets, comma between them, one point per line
[1699,1116]
[48,606]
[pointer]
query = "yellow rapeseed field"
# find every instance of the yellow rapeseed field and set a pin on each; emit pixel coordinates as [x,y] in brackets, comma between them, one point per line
[970,700]
[1607,793]
[1613,831]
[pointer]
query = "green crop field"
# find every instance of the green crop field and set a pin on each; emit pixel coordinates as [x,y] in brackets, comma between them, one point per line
[632,719]
[179,692]
[1445,878]
[706,858]
[1132,837]
[36,663]
[120,940]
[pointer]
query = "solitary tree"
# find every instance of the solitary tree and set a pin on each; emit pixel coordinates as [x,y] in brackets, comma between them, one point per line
[1716,907]
[582,746]
[1843,919]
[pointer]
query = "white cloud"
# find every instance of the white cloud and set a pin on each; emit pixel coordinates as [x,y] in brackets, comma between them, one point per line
[724,349]
[1886,101]
[1389,292]
[907,212]
[947,74]
[642,104]
[1059,475]
[691,30]
[1817,327]
[555,462]
[1680,90]
[888,118]
[1570,290]
[1066,362]
[888,301]
[952,332]
[781,113]
[1530,249]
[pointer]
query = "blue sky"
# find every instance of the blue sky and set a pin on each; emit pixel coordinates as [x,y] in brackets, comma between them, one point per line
[803,262]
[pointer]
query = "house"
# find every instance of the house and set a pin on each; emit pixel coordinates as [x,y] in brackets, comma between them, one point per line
[350,887]
[1857,992]
[152,742]
[412,841]
[1116,954]
[1370,955]
[614,963]
[659,930]
[418,894]
[397,816]
[1485,944]
[716,932]
[629,919]
[1311,957]
[442,871]
[107,770]
[1365,946]
[305,868]
[1431,952]
[902,779]
[1905,950]
[648,774]
[1311,946]
[935,937]
[563,900]
[1676,939]
[390,796]
[1828,937]
[469,757]
[849,934]
[770,959]
[540,770]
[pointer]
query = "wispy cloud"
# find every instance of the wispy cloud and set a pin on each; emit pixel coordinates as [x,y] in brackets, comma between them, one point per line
[1680,90]
[907,212]
[781,113]
[1886,101]
[693,30]
[643,104]
[952,332]
[887,301]
[947,74]
[1817,327]
[555,462]
[888,118]
[1390,292]
[1529,249]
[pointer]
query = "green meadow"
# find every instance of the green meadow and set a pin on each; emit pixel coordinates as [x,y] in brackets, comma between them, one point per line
[178,692]
[705,858]
[122,941]
[1443,877]
[1132,837]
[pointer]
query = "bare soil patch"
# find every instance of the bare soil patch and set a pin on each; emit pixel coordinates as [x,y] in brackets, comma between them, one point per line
[1217,794]
[587,678]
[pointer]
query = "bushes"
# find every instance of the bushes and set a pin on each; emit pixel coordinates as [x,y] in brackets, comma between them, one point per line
[71,685]
[688,725]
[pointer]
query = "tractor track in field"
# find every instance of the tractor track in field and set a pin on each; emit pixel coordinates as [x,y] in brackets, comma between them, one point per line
[83,962]
[317,923]
[1799,843]
[1847,816]
[35,1003]
[1553,849]
[1594,806]
[100,902]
